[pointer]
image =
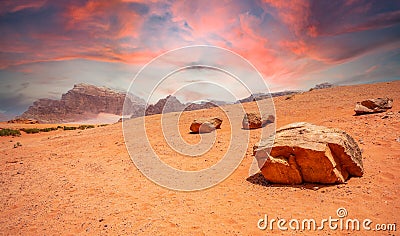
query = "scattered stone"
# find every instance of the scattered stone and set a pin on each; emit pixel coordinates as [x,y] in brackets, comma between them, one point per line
[121,120]
[205,125]
[289,97]
[18,144]
[315,188]
[398,139]
[373,105]
[304,152]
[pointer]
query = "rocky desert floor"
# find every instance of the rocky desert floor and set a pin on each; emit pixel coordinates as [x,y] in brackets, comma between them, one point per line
[84,181]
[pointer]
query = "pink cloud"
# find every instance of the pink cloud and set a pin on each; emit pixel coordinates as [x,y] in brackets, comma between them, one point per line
[14,6]
[284,39]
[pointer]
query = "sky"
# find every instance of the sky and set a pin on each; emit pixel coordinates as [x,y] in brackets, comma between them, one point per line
[48,46]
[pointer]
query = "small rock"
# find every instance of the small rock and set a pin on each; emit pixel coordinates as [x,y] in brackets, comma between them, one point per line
[251,121]
[267,119]
[373,105]
[315,188]
[254,121]
[205,125]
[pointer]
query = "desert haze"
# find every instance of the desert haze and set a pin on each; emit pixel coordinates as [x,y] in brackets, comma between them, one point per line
[84,182]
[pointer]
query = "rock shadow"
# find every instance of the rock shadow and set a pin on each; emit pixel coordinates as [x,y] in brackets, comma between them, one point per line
[260,180]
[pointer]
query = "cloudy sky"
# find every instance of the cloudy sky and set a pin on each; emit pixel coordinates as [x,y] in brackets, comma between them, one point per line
[47,46]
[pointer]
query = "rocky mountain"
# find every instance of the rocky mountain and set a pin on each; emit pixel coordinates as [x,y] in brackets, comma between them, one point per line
[165,105]
[323,86]
[261,96]
[172,104]
[81,102]
[199,106]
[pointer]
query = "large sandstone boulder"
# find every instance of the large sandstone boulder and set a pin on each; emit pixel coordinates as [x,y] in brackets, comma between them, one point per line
[302,152]
[254,121]
[373,105]
[205,125]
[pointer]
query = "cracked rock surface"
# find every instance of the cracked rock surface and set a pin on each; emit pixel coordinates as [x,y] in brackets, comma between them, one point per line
[304,152]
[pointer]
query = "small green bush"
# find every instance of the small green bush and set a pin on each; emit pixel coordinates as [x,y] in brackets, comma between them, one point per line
[102,125]
[69,128]
[86,127]
[59,127]
[48,129]
[9,132]
[31,130]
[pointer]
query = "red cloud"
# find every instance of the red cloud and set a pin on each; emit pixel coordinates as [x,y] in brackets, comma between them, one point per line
[284,40]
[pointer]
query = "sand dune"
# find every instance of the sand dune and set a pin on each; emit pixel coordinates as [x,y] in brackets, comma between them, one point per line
[84,182]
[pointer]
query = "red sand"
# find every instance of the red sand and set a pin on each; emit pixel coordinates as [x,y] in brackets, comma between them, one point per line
[84,182]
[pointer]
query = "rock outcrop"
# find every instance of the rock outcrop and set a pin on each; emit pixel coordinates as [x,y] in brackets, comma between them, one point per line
[322,86]
[196,106]
[302,152]
[373,105]
[261,96]
[254,121]
[23,121]
[81,102]
[205,125]
[165,105]
[172,104]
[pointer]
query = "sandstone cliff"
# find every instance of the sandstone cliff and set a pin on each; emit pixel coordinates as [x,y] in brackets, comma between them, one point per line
[82,102]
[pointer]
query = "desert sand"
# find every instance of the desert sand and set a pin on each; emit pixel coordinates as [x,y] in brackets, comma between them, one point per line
[84,182]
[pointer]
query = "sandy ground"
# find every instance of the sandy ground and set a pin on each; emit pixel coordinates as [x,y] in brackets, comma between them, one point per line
[84,182]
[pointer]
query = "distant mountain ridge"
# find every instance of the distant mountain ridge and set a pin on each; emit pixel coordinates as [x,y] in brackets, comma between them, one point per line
[85,102]
[261,96]
[172,104]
